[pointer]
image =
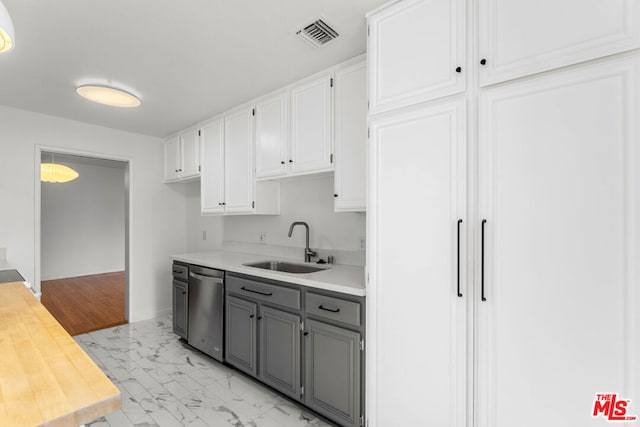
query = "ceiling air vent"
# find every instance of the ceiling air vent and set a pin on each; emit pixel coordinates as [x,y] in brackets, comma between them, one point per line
[317,33]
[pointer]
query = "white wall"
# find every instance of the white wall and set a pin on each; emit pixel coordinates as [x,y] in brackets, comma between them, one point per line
[212,225]
[308,199]
[82,221]
[157,227]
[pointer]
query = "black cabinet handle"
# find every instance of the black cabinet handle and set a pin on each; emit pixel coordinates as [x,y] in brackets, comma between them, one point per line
[458,69]
[251,316]
[267,294]
[282,162]
[483,61]
[335,195]
[333,310]
[290,161]
[305,333]
[259,317]
[484,221]
[184,293]
[459,293]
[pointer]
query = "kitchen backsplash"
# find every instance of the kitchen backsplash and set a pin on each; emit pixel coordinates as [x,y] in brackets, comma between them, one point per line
[308,199]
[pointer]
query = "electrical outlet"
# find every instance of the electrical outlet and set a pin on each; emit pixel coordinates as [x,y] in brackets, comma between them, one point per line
[204,234]
[263,237]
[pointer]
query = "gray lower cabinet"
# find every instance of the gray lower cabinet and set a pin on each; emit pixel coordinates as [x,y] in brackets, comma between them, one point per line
[332,374]
[279,338]
[180,308]
[304,343]
[241,334]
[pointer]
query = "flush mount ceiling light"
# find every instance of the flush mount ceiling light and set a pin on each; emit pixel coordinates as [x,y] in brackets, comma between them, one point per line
[56,173]
[7,33]
[108,96]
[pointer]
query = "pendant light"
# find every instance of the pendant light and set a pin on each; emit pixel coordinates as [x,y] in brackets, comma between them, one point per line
[7,34]
[56,173]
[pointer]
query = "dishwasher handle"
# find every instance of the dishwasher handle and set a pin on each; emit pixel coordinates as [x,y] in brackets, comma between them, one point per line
[207,278]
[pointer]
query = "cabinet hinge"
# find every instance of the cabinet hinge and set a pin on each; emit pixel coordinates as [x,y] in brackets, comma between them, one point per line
[368,133]
[331,82]
[199,133]
[199,168]
[331,158]
[368,105]
[302,326]
[302,390]
[362,345]
[368,30]
[253,111]
[253,205]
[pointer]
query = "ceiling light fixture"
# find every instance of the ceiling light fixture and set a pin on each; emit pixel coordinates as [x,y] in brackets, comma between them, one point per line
[108,96]
[56,173]
[7,34]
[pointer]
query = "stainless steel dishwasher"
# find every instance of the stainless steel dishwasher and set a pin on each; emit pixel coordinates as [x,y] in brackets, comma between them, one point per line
[206,311]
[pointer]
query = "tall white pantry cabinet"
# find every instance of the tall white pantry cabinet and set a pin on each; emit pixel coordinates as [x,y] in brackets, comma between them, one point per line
[504,212]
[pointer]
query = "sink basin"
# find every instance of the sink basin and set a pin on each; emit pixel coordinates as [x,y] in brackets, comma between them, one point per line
[286,267]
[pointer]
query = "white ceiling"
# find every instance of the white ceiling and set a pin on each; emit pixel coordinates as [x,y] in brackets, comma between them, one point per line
[186,59]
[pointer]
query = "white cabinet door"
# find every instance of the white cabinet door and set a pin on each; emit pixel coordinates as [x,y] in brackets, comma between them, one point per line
[350,177]
[416,52]
[522,37]
[417,322]
[311,126]
[271,137]
[190,154]
[212,175]
[560,193]
[238,152]
[172,159]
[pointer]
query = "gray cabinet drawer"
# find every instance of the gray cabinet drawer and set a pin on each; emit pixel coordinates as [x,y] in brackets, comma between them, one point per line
[255,290]
[180,272]
[334,308]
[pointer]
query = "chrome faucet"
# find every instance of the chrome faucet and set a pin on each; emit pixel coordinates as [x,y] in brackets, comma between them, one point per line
[308,253]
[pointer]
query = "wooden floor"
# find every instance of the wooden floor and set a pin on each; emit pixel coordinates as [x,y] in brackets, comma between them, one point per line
[87,303]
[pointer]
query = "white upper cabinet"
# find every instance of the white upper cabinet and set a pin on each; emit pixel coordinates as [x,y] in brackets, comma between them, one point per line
[416,52]
[272,136]
[523,37]
[350,138]
[212,178]
[182,157]
[172,159]
[227,184]
[190,154]
[238,159]
[311,146]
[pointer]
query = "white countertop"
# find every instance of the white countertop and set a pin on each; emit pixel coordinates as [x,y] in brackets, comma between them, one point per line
[347,279]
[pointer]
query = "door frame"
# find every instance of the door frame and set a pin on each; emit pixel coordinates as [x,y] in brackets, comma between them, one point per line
[128,175]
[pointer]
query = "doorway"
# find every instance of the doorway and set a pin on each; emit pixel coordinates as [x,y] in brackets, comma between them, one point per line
[83,242]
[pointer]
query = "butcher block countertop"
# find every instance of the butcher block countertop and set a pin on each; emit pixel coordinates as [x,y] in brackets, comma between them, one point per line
[46,379]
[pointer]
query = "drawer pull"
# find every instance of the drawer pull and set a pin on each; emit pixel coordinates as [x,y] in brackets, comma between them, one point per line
[267,294]
[332,310]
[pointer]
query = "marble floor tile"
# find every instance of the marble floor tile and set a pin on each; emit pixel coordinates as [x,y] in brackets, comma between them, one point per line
[167,383]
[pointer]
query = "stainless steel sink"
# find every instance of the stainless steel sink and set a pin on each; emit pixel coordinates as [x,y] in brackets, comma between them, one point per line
[286,267]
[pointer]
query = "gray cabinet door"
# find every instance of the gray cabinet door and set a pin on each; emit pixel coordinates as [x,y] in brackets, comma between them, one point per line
[280,351]
[332,374]
[180,313]
[241,334]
